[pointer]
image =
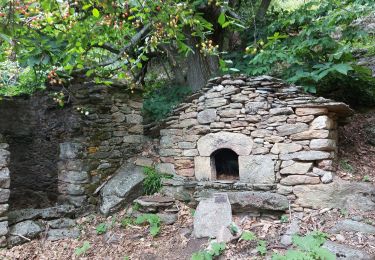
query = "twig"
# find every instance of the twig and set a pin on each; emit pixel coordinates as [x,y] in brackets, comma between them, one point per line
[21,236]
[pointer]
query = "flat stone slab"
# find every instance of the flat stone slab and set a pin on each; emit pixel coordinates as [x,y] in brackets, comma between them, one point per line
[245,201]
[124,187]
[28,228]
[352,226]
[346,252]
[57,234]
[47,213]
[212,215]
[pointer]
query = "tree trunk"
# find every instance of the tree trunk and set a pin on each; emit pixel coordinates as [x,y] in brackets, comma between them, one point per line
[262,10]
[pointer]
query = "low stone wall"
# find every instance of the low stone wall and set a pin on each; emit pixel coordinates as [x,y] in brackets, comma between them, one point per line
[282,136]
[4,189]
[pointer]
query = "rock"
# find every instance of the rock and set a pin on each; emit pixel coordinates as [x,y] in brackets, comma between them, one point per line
[281,111]
[257,169]
[224,235]
[248,201]
[292,180]
[63,233]
[346,252]
[369,130]
[327,177]
[253,107]
[4,158]
[4,195]
[142,161]
[297,168]
[167,168]
[118,117]
[3,228]
[348,225]
[124,187]
[340,238]
[284,190]
[28,228]
[207,116]
[306,156]
[212,215]
[239,143]
[47,213]
[289,129]
[305,111]
[215,102]
[311,134]
[323,144]
[155,202]
[4,178]
[69,150]
[285,148]
[168,218]
[229,113]
[293,228]
[338,194]
[322,122]
[61,223]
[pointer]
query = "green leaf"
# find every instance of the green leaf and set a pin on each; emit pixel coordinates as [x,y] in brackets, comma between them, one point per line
[343,68]
[95,13]
[248,236]
[221,19]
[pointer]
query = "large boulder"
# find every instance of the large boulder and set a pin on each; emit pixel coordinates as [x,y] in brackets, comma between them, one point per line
[346,252]
[348,225]
[124,187]
[21,232]
[338,194]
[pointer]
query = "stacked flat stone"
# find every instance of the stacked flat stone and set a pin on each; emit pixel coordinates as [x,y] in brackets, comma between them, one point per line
[4,189]
[291,135]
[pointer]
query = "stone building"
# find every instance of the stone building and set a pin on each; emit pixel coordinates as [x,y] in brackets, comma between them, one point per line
[252,134]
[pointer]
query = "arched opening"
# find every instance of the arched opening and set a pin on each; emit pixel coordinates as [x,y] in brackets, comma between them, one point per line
[225,164]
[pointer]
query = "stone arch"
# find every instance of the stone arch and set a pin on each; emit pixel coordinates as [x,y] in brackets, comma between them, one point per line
[241,144]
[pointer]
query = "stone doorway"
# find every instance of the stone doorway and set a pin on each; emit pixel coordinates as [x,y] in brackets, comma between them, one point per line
[225,164]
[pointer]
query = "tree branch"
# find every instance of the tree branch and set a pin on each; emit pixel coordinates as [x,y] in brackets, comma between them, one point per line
[133,41]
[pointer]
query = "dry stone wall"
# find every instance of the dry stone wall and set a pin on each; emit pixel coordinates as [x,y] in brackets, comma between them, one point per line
[282,136]
[4,189]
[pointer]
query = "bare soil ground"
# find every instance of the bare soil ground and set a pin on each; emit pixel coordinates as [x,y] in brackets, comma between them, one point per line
[175,241]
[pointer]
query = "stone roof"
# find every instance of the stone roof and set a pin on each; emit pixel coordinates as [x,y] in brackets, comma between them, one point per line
[292,94]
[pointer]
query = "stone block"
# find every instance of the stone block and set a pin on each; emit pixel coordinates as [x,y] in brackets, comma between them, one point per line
[207,116]
[289,129]
[281,111]
[306,156]
[239,143]
[134,119]
[322,122]
[311,134]
[4,178]
[281,148]
[133,139]
[323,144]
[70,150]
[166,168]
[292,180]
[202,168]
[297,168]
[211,216]
[215,102]
[256,169]
[305,111]
[4,195]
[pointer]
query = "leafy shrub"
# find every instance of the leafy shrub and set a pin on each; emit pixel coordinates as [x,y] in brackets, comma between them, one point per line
[83,249]
[215,250]
[153,181]
[101,229]
[308,247]
[248,236]
[153,220]
[159,102]
[126,221]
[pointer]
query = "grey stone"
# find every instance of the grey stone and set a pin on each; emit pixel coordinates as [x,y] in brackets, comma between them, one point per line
[133,139]
[166,168]
[289,129]
[327,177]
[4,178]
[293,229]
[4,228]
[322,122]
[239,143]
[4,158]
[69,150]
[231,113]
[168,218]
[348,225]
[4,195]
[215,102]
[311,134]
[143,161]
[338,194]
[281,148]
[77,177]
[306,156]
[118,117]
[63,233]
[125,186]
[253,107]
[134,119]
[323,144]
[297,168]
[202,168]
[346,252]
[248,201]
[261,133]
[224,235]
[239,97]
[47,213]
[284,190]
[28,228]
[305,111]
[281,111]
[61,223]
[207,116]
[292,180]
[211,215]
[257,169]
